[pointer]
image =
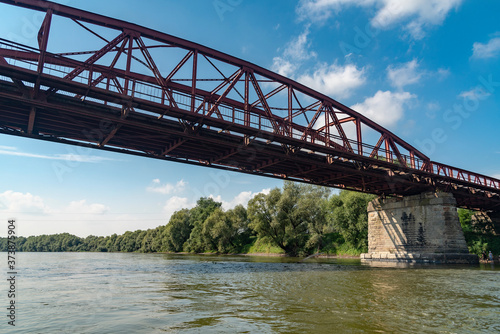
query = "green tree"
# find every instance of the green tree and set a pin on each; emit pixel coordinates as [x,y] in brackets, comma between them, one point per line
[317,211]
[216,231]
[148,245]
[285,218]
[349,217]
[465,217]
[197,243]
[111,243]
[241,231]
[127,242]
[139,240]
[117,247]
[177,231]
[226,232]
[479,232]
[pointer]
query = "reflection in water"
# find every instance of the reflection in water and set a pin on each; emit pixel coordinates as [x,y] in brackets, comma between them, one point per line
[153,293]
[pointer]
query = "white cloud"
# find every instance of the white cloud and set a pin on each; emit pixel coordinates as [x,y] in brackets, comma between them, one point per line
[296,51]
[409,73]
[298,48]
[442,73]
[477,93]
[385,108]
[488,50]
[330,79]
[82,207]
[7,150]
[420,12]
[176,203]
[417,14]
[404,74]
[241,199]
[12,202]
[35,217]
[80,158]
[167,188]
[320,10]
[283,67]
[335,80]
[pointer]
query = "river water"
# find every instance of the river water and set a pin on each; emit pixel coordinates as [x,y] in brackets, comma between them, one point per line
[157,293]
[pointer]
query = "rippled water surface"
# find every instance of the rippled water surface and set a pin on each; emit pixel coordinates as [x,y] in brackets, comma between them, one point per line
[156,293]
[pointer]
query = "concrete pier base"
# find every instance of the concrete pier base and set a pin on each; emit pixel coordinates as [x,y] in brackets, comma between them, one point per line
[420,229]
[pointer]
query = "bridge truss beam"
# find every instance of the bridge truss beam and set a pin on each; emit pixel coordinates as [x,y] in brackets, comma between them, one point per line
[143,92]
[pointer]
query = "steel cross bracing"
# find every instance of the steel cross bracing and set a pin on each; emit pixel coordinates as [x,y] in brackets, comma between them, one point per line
[143,92]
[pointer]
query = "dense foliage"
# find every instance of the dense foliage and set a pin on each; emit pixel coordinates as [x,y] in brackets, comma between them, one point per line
[293,219]
[296,220]
[349,217]
[479,233]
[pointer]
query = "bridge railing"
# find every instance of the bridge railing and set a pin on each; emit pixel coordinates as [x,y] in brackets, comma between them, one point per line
[463,175]
[149,90]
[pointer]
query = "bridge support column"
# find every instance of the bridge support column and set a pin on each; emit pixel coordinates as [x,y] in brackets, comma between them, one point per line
[421,228]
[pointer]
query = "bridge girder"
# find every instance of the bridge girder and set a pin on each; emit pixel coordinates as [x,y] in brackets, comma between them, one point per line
[207,108]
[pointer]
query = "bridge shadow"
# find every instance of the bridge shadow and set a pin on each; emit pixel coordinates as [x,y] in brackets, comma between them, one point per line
[394,231]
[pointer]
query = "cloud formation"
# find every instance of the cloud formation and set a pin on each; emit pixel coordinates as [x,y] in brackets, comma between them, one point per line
[476,93]
[35,217]
[71,157]
[330,79]
[167,188]
[298,48]
[296,51]
[404,74]
[415,15]
[335,80]
[241,199]
[13,202]
[81,206]
[176,203]
[385,108]
[488,50]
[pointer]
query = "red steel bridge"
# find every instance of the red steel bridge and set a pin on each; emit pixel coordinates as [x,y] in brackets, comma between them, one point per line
[126,88]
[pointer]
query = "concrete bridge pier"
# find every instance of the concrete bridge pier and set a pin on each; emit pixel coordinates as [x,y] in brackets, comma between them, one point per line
[421,229]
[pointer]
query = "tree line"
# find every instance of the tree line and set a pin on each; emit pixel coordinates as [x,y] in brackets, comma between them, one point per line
[297,220]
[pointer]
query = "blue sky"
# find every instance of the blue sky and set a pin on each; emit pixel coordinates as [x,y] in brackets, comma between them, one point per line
[426,69]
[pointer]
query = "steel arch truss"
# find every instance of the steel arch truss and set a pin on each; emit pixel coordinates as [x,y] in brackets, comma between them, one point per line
[131,89]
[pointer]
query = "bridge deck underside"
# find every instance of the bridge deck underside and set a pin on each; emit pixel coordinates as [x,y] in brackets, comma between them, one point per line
[134,90]
[191,139]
